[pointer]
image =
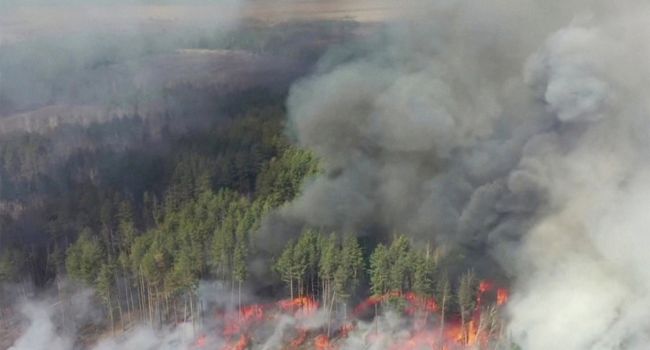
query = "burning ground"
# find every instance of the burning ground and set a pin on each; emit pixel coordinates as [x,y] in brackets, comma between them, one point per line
[407,321]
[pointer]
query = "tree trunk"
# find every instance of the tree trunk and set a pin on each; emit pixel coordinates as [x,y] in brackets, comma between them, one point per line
[149,305]
[463,326]
[239,297]
[291,288]
[192,310]
[232,292]
[376,321]
[329,315]
[110,315]
[185,311]
[442,321]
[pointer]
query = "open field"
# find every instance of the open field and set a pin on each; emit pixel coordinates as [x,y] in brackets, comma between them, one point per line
[26,21]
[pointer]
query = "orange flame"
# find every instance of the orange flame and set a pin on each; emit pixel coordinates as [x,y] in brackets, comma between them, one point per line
[424,332]
[300,307]
[485,286]
[414,301]
[300,339]
[322,342]
[241,344]
[502,296]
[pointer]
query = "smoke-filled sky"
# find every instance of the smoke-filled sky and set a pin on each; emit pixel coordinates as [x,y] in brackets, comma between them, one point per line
[517,128]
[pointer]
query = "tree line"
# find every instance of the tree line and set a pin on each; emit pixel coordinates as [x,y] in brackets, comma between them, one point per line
[332,267]
[143,228]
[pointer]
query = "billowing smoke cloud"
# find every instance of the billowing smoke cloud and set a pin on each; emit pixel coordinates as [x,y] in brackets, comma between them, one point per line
[420,133]
[584,255]
[519,129]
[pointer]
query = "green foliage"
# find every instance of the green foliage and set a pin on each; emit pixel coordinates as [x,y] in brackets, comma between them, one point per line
[287,267]
[146,225]
[424,271]
[467,291]
[105,282]
[282,177]
[380,267]
[84,258]
[11,265]
[348,273]
[329,257]
[401,267]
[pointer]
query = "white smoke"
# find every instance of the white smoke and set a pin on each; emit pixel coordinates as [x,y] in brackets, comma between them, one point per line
[519,128]
[181,336]
[58,324]
[587,284]
[41,333]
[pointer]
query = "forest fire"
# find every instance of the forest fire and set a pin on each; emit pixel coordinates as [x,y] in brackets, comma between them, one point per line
[299,307]
[322,342]
[502,296]
[415,303]
[429,325]
[240,344]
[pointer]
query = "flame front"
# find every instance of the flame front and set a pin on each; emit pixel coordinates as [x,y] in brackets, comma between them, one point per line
[427,329]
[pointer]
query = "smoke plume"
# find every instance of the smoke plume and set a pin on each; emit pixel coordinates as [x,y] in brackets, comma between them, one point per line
[517,129]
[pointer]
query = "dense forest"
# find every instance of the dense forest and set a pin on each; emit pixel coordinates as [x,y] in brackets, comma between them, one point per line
[143,205]
[144,227]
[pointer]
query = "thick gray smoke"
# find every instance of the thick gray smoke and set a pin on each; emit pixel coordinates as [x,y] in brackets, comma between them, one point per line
[517,128]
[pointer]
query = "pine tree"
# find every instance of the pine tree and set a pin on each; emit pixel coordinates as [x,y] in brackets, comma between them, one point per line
[84,258]
[348,273]
[443,294]
[401,264]
[11,265]
[423,272]
[126,224]
[380,267]
[466,300]
[104,287]
[240,270]
[307,256]
[286,267]
[328,264]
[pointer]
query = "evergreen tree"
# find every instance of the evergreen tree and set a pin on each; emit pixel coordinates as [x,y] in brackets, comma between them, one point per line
[443,295]
[348,274]
[423,274]
[287,267]
[380,267]
[401,264]
[84,258]
[11,265]
[240,270]
[466,300]
[126,224]
[306,258]
[104,287]
[328,265]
